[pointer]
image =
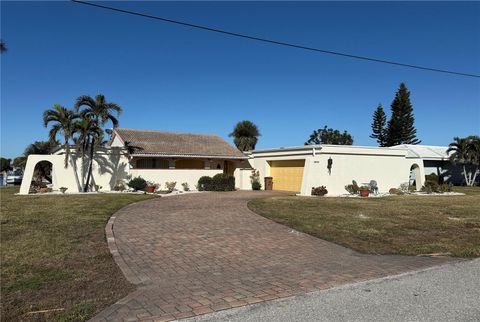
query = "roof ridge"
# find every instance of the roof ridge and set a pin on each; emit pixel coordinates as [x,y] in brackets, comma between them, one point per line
[171,132]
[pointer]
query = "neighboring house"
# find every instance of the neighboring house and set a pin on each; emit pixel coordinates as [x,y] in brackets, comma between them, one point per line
[163,157]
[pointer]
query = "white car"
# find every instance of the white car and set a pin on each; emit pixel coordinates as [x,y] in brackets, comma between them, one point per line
[15,176]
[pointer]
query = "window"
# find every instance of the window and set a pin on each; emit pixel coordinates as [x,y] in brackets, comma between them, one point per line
[189,164]
[152,163]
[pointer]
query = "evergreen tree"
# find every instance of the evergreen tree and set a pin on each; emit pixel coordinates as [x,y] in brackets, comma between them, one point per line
[379,126]
[330,136]
[401,128]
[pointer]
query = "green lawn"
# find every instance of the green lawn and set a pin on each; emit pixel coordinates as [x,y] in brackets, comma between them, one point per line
[54,256]
[407,225]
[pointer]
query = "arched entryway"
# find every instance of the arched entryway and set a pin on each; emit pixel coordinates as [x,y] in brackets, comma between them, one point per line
[42,177]
[415,177]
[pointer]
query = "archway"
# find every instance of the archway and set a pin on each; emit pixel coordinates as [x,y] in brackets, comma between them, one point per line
[42,177]
[415,177]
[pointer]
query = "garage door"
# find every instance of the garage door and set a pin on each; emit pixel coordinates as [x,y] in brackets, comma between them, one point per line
[287,175]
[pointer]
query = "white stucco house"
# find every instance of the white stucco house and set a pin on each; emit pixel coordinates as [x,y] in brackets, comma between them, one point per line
[185,157]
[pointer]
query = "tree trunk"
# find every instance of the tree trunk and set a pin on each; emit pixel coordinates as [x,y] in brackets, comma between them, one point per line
[67,152]
[465,175]
[475,175]
[90,165]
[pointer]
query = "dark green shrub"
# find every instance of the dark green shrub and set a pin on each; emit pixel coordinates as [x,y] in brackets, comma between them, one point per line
[432,177]
[223,182]
[445,187]
[256,185]
[137,183]
[204,183]
[431,186]
[319,191]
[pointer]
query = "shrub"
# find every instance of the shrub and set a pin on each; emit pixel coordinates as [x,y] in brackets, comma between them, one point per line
[432,177]
[433,186]
[395,191]
[353,188]
[445,187]
[185,186]
[170,185]
[119,186]
[256,185]
[204,183]
[223,182]
[137,183]
[373,186]
[430,186]
[255,180]
[404,187]
[319,191]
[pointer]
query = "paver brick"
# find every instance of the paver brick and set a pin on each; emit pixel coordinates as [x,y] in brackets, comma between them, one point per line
[198,253]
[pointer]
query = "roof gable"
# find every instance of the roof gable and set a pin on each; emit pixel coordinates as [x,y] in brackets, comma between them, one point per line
[177,144]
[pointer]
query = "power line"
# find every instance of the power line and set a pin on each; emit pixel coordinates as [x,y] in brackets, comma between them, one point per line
[275,42]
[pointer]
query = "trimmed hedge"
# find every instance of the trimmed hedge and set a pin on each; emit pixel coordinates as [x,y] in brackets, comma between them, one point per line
[204,183]
[137,183]
[219,182]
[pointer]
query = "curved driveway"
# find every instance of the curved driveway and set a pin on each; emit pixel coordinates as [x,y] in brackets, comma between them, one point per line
[198,253]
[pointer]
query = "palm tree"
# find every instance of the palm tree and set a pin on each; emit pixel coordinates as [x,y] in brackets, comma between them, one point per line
[466,152]
[87,131]
[245,135]
[98,111]
[64,124]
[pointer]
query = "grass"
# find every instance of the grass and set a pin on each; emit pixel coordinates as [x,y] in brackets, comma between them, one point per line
[406,225]
[55,258]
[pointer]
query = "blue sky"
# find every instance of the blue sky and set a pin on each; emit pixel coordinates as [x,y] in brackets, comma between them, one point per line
[173,78]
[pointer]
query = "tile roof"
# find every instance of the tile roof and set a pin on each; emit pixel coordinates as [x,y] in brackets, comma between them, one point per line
[148,142]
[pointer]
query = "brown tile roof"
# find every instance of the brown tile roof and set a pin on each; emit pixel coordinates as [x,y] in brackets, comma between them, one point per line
[177,144]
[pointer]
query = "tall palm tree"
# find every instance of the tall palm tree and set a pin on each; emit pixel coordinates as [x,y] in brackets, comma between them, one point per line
[64,124]
[98,111]
[466,152]
[86,131]
[245,135]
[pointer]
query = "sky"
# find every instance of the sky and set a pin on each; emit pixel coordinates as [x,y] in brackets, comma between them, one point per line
[174,78]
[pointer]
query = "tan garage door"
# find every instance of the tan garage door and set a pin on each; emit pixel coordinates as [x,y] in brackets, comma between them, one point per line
[287,175]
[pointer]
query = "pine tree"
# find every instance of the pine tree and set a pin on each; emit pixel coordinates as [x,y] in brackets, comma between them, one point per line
[379,126]
[401,128]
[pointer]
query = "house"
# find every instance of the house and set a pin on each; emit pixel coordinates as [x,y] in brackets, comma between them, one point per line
[156,156]
[162,157]
[301,168]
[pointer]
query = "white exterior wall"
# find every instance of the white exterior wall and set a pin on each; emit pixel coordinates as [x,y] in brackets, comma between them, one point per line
[109,167]
[389,167]
[179,176]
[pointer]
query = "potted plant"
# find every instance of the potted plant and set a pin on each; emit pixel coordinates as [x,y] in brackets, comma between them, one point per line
[151,186]
[364,191]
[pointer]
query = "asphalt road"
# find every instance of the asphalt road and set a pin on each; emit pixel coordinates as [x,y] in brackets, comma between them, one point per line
[446,293]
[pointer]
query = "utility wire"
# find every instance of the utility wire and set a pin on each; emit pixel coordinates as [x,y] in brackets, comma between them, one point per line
[281,43]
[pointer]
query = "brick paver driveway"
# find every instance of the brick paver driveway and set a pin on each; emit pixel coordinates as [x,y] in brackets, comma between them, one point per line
[198,253]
